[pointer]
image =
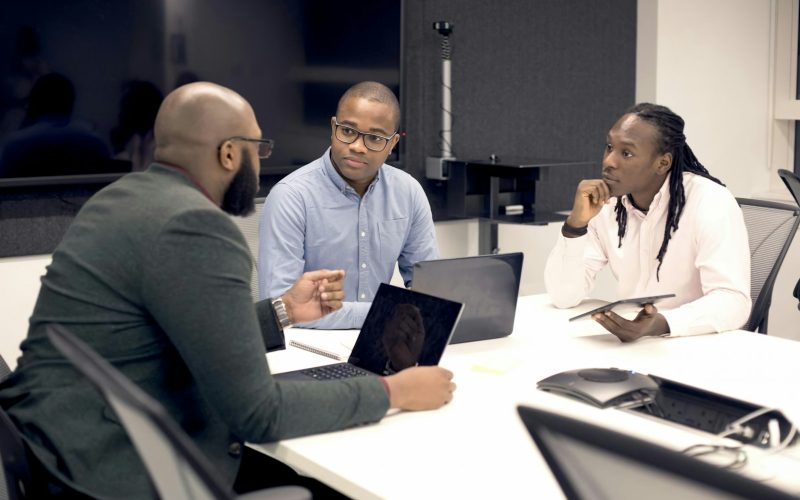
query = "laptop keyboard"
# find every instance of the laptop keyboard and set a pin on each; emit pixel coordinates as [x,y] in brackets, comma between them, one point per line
[337,371]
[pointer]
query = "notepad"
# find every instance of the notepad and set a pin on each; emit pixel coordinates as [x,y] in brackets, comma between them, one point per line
[333,344]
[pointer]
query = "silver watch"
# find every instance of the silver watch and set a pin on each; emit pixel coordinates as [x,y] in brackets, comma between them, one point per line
[280,313]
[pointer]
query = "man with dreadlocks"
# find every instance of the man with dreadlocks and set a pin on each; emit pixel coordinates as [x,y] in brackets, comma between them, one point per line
[664,225]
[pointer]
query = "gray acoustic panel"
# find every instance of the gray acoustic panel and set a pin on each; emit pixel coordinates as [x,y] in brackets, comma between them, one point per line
[530,78]
[34,219]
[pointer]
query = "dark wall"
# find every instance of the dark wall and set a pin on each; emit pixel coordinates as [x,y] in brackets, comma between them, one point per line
[530,78]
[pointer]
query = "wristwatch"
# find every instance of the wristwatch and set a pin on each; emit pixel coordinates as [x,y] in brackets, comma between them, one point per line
[281,316]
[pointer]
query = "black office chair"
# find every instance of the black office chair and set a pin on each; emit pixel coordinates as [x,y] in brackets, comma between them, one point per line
[796,293]
[770,227]
[592,462]
[15,475]
[176,467]
[792,182]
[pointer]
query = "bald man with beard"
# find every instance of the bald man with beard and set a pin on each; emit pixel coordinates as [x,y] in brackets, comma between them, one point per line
[154,276]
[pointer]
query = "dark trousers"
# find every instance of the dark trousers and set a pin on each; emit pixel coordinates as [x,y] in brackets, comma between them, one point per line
[258,471]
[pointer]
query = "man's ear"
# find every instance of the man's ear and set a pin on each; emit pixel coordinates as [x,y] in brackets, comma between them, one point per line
[664,163]
[394,142]
[227,156]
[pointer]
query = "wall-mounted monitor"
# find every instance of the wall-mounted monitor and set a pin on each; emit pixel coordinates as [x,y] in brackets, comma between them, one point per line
[81,81]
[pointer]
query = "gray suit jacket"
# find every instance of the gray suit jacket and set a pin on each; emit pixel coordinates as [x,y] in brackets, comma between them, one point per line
[155,277]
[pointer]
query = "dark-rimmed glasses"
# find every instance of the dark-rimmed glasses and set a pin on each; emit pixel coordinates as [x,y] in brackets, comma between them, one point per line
[372,141]
[264,145]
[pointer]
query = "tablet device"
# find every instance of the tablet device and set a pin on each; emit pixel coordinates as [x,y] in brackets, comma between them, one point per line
[611,305]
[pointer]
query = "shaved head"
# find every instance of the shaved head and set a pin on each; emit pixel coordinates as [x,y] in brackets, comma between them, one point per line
[199,127]
[195,118]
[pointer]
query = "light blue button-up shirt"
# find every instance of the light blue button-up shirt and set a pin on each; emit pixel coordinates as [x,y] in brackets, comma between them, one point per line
[313,219]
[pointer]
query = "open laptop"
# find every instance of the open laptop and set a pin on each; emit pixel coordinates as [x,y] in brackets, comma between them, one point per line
[488,285]
[403,328]
[591,462]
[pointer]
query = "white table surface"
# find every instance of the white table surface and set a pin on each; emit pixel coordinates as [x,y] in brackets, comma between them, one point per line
[477,447]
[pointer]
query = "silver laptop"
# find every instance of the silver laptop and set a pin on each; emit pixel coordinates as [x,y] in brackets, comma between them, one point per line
[488,285]
[403,328]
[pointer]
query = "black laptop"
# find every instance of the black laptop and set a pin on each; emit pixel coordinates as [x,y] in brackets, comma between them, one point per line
[488,285]
[403,328]
[591,462]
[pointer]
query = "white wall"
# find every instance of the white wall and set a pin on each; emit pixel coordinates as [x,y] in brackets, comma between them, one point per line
[19,287]
[709,62]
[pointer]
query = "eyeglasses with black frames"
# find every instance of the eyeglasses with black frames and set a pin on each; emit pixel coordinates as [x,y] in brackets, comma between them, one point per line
[265,146]
[349,135]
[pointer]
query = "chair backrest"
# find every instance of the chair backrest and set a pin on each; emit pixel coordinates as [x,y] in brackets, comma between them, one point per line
[15,475]
[5,371]
[792,182]
[770,227]
[176,467]
[249,227]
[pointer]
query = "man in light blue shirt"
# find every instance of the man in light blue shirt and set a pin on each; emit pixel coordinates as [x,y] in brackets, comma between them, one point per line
[348,210]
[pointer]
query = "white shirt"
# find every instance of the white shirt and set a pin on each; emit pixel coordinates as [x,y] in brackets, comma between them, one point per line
[706,265]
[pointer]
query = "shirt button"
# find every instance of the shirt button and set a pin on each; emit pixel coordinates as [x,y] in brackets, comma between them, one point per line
[235,449]
[363,265]
[363,295]
[363,233]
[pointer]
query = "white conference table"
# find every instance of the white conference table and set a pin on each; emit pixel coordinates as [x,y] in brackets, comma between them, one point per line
[477,447]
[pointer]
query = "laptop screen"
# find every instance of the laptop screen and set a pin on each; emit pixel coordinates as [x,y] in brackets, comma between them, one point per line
[590,461]
[404,328]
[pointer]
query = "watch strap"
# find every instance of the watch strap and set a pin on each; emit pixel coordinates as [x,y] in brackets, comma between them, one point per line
[281,316]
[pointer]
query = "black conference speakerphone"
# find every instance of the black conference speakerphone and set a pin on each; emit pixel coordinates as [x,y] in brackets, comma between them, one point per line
[672,401]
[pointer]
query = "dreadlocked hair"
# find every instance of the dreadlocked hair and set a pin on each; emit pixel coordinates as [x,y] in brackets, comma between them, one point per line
[670,140]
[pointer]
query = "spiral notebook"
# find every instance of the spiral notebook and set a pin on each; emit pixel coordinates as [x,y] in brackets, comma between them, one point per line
[337,352]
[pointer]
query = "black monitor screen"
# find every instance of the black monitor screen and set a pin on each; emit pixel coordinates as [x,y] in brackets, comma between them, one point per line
[81,81]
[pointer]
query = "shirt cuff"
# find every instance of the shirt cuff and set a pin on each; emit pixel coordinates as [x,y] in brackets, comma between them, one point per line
[682,324]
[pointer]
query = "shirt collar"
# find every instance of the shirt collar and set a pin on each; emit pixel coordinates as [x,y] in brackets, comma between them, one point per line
[338,180]
[659,200]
